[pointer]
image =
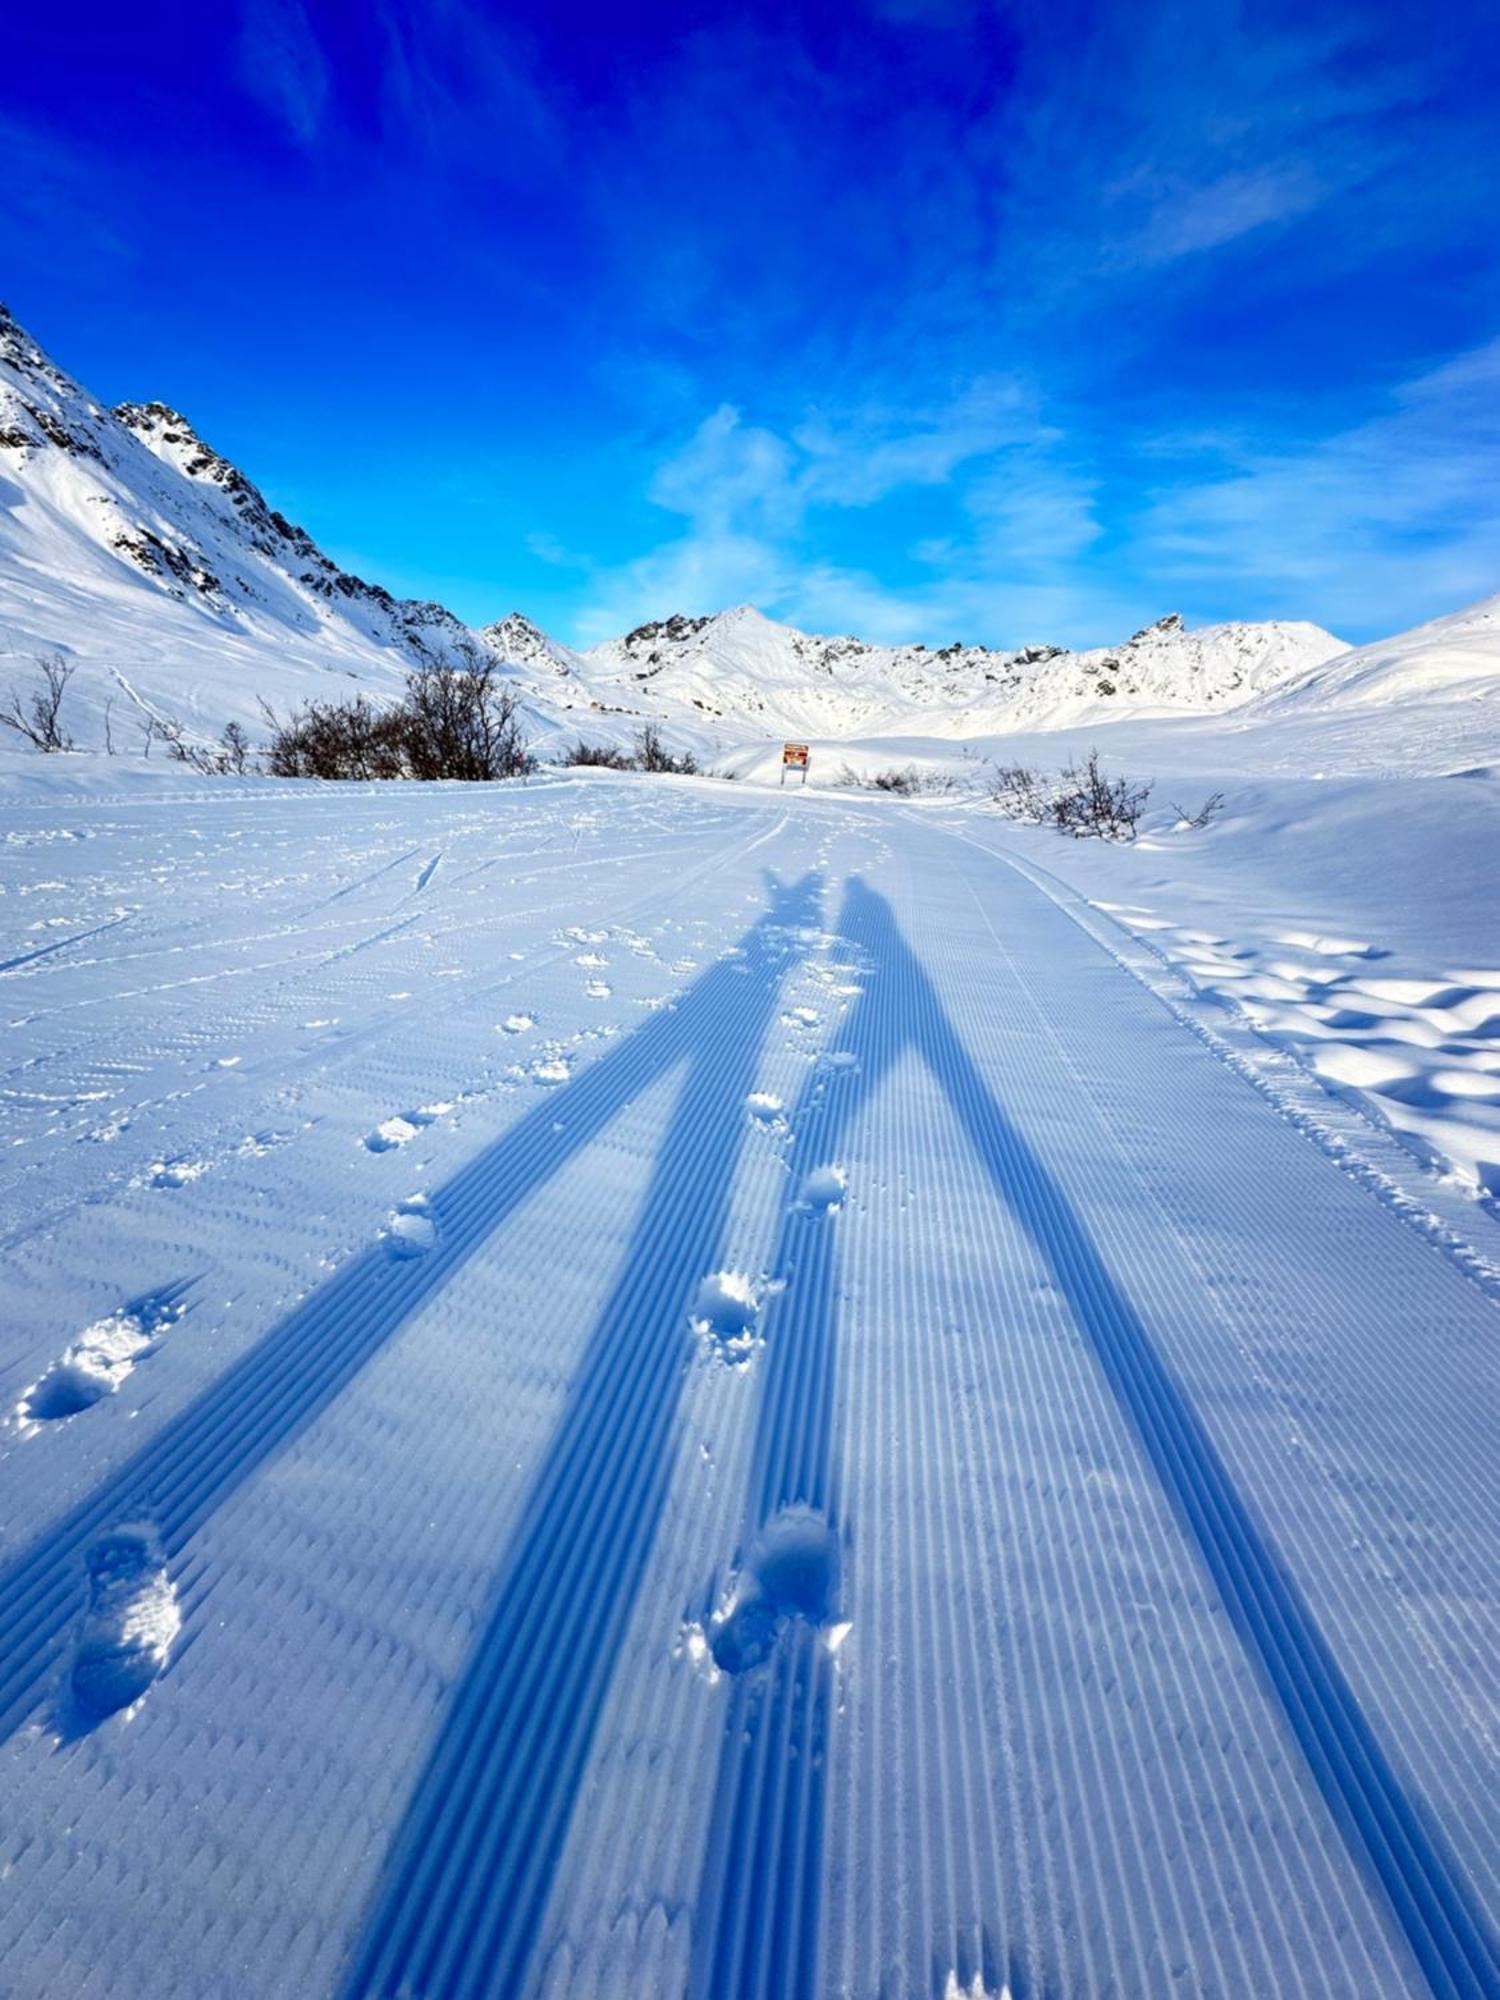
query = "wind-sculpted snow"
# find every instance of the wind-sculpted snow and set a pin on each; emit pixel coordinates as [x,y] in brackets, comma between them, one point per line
[869,1460]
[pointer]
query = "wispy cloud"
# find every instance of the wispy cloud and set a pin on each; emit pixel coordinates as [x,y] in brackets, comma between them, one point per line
[764,509]
[1389,519]
[1205,217]
[282,65]
[1401,510]
[51,192]
[460,82]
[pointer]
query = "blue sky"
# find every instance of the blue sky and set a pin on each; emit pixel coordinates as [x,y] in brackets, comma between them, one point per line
[924,319]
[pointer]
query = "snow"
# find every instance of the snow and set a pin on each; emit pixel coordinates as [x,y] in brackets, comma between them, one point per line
[401,1593]
[165,579]
[656,1386]
[743,671]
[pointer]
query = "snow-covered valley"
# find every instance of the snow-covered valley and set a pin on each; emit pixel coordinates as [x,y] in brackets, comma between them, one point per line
[603,1373]
[173,589]
[635,1385]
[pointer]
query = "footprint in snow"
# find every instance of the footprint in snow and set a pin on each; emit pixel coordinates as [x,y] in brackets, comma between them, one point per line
[766,1108]
[130,1625]
[724,1315]
[824,1190]
[597,989]
[411,1231]
[403,1127]
[517,1024]
[99,1360]
[792,1574]
[838,1059]
[177,1173]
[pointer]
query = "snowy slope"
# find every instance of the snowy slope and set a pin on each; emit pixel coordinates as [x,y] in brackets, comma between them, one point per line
[159,570]
[745,671]
[629,1388]
[1450,659]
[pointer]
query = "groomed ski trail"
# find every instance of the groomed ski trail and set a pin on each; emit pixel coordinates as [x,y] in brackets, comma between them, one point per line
[999,1512]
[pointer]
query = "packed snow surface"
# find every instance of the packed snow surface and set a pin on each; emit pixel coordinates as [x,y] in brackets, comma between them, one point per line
[907,1446]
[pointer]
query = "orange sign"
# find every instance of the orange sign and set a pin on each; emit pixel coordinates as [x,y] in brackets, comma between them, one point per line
[795,756]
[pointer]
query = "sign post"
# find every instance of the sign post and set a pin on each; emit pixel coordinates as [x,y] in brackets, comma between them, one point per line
[794,757]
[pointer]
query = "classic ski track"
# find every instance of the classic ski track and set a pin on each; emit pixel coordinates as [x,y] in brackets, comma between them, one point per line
[1438,1231]
[298,962]
[270,1395]
[327,1061]
[461,1909]
[11,965]
[494,1800]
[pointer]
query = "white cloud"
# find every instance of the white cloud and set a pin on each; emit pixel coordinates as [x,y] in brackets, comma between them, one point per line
[1194,219]
[730,472]
[701,572]
[756,502]
[855,459]
[281,63]
[1400,512]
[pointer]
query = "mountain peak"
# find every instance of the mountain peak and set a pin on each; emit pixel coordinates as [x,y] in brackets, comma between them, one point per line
[521,643]
[168,434]
[157,420]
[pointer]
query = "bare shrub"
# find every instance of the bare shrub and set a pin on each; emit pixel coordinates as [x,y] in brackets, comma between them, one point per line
[598,756]
[452,723]
[38,715]
[651,754]
[462,723]
[338,740]
[230,756]
[235,748]
[1191,822]
[905,783]
[1091,805]
[1021,792]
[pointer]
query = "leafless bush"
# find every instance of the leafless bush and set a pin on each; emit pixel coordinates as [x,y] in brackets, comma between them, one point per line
[337,740]
[1022,793]
[234,748]
[38,715]
[1090,805]
[599,756]
[452,723]
[904,783]
[230,756]
[1190,822]
[651,754]
[462,723]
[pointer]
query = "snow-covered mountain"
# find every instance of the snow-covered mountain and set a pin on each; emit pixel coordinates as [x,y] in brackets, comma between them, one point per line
[160,571]
[1451,659]
[746,671]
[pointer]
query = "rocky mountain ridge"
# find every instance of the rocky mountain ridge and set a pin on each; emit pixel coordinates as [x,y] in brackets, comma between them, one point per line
[740,668]
[159,569]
